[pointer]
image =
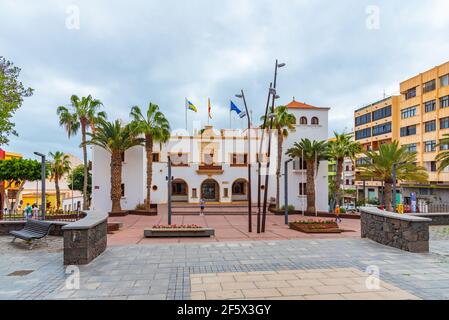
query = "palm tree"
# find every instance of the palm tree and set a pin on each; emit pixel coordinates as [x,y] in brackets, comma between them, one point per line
[59,166]
[443,154]
[379,166]
[283,121]
[156,128]
[312,152]
[116,139]
[340,148]
[83,114]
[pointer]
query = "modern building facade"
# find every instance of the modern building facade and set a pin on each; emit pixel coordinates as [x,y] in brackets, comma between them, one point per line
[211,164]
[375,124]
[417,118]
[424,119]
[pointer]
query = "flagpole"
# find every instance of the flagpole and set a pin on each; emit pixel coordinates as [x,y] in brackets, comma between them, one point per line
[186,115]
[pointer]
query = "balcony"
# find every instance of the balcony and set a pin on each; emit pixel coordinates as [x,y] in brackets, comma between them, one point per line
[210,169]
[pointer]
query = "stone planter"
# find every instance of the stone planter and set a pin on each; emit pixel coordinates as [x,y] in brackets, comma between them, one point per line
[179,233]
[315,227]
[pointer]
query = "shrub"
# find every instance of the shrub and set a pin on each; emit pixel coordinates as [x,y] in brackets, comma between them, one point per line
[140,206]
[290,208]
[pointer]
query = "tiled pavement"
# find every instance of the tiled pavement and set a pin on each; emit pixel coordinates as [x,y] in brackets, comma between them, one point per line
[164,271]
[309,284]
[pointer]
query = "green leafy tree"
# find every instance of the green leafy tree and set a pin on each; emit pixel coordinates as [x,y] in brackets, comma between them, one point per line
[83,114]
[59,166]
[283,121]
[15,172]
[443,155]
[312,152]
[340,148]
[116,139]
[12,93]
[156,129]
[379,166]
[76,179]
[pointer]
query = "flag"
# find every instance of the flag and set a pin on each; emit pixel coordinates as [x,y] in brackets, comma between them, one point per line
[241,113]
[209,109]
[190,106]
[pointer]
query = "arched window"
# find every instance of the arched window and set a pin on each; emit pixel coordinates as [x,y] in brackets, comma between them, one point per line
[315,121]
[303,120]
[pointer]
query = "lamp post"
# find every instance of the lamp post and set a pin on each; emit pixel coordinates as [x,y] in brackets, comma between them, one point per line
[259,163]
[250,227]
[43,177]
[169,191]
[275,96]
[286,189]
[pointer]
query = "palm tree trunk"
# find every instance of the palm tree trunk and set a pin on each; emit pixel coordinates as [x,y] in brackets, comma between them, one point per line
[388,196]
[338,181]
[149,152]
[278,169]
[116,181]
[58,193]
[86,169]
[310,186]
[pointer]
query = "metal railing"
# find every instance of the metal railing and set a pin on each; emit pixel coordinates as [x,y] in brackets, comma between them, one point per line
[433,208]
[53,216]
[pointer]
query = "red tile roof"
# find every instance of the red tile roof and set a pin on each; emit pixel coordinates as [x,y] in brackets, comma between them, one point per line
[300,105]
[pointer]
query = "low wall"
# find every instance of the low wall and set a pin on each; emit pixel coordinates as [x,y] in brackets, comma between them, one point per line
[7,226]
[438,219]
[405,232]
[85,239]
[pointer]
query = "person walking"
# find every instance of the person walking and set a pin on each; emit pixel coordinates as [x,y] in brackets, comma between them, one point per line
[337,214]
[202,206]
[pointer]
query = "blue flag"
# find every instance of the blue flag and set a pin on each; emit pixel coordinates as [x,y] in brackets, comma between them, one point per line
[237,110]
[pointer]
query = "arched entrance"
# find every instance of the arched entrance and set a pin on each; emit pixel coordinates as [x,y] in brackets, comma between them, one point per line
[180,191]
[210,190]
[240,190]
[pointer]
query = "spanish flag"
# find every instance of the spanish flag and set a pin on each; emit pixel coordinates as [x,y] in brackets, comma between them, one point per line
[209,109]
[190,106]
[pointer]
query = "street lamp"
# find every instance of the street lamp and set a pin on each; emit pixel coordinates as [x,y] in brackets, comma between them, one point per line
[43,177]
[275,96]
[286,189]
[169,179]
[250,227]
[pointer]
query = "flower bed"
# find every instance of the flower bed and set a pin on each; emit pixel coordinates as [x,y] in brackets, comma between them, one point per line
[315,226]
[178,231]
[177,227]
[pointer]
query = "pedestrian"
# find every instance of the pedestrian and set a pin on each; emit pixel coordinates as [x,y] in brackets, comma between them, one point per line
[27,211]
[202,206]
[337,214]
[35,211]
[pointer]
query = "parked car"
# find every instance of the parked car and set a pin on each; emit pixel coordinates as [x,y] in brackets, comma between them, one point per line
[349,207]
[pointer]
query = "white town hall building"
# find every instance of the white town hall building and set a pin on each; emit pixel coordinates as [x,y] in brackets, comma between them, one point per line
[212,164]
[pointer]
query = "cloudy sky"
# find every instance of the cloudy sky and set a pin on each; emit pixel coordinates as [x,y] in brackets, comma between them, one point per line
[338,54]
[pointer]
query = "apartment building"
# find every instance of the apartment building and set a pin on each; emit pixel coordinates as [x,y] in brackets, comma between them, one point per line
[424,119]
[417,118]
[375,124]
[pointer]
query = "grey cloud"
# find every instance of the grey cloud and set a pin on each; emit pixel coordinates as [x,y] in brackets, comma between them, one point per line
[130,53]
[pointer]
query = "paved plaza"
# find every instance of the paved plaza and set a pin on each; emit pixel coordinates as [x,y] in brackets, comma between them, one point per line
[227,228]
[295,269]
